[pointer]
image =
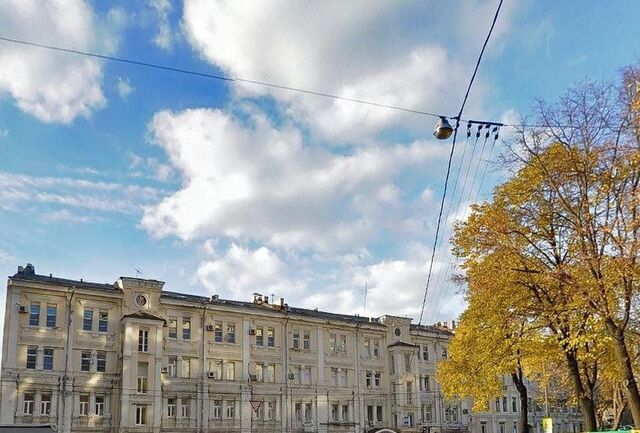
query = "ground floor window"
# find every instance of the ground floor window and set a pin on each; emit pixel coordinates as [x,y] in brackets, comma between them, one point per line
[141,415]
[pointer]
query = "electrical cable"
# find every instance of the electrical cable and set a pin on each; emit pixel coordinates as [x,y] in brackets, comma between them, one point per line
[453,145]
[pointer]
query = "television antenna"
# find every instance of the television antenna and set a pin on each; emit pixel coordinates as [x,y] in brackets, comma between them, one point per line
[138,272]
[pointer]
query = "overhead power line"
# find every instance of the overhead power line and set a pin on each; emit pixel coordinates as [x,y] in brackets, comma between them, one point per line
[231,79]
[453,145]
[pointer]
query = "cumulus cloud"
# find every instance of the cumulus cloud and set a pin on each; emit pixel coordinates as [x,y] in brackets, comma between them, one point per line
[164,36]
[254,180]
[53,87]
[373,50]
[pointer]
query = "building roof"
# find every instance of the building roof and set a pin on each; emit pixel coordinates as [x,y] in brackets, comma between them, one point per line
[28,274]
[432,329]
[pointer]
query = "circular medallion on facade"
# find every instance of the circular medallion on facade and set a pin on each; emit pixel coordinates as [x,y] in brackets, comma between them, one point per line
[397,332]
[141,300]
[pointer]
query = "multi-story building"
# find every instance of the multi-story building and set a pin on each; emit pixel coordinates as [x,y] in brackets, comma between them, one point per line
[130,356]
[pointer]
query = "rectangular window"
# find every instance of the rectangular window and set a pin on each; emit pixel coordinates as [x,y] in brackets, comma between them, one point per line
[334,376]
[271,337]
[143,373]
[172,367]
[87,321]
[52,312]
[427,410]
[270,375]
[141,415]
[171,407]
[307,412]
[85,360]
[306,376]
[143,340]
[502,429]
[369,379]
[230,407]
[298,411]
[28,404]
[409,393]
[370,413]
[332,342]
[173,328]
[47,359]
[32,357]
[84,404]
[504,404]
[342,377]
[342,344]
[306,340]
[392,361]
[103,321]
[367,347]
[186,329]
[216,368]
[217,408]
[376,349]
[185,408]
[483,427]
[45,404]
[231,333]
[376,379]
[231,371]
[498,405]
[34,315]
[259,373]
[444,353]
[344,412]
[217,333]
[425,353]
[334,412]
[379,413]
[259,337]
[296,339]
[185,364]
[99,406]
[407,362]
[427,383]
[101,362]
[271,410]
[514,404]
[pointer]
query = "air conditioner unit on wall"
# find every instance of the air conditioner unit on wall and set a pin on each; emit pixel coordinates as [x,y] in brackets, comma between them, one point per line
[252,331]
[211,375]
[22,309]
[253,378]
[165,370]
[292,376]
[209,327]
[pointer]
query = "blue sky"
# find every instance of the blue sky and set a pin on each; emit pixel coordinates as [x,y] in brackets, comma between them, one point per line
[106,167]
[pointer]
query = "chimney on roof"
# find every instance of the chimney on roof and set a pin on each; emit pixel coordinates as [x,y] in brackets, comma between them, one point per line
[214,298]
[282,302]
[265,299]
[453,324]
[257,298]
[27,270]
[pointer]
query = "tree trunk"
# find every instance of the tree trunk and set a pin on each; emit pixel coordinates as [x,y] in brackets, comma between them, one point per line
[524,400]
[630,386]
[585,402]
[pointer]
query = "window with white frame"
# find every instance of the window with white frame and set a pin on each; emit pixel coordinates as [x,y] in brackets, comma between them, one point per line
[141,415]
[172,366]
[185,407]
[32,357]
[296,339]
[230,369]
[186,329]
[217,408]
[332,342]
[85,360]
[34,314]
[425,353]
[87,320]
[298,411]
[217,332]
[367,347]
[99,405]
[369,379]
[215,366]
[101,361]
[231,333]
[342,344]
[185,366]
[84,404]
[230,409]
[173,328]
[52,313]
[47,358]
[427,412]
[376,349]
[143,340]
[103,321]
[451,413]
[259,373]
[45,404]
[270,373]
[306,340]
[427,383]
[28,403]
[342,377]
[271,410]
[143,372]
[171,407]
[271,337]
[308,414]
[306,375]
[377,379]
[259,337]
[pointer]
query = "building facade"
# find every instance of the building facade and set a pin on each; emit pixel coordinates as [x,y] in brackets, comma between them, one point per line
[130,356]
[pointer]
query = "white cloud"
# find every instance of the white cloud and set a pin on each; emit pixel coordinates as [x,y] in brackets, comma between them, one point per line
[4,133]
[373,50]
[66,216]
[124,87]
[261,182]
[52,86]
[151,168]
[164,37]
[242,271]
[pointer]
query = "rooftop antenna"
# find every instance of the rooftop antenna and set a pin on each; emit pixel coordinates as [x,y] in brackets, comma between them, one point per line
[138,272]
[272,298]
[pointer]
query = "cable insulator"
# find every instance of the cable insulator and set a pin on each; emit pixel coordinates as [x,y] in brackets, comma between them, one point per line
[478,132]
[486,135]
